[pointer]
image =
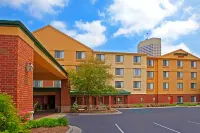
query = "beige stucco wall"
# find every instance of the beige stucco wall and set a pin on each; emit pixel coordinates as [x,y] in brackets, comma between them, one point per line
[128,66]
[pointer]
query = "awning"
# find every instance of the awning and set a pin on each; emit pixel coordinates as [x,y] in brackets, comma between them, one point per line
[73,92]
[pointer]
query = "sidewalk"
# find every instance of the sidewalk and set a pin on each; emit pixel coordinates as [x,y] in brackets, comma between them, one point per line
[162,107]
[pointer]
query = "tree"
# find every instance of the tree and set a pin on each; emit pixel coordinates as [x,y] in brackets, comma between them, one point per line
[92,78]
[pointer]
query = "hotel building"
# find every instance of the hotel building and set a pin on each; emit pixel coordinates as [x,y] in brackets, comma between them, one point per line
[151,47]
[171,78]
[34,66]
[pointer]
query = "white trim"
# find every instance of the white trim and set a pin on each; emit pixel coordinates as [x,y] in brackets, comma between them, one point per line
[167,128]
[193,122]
[119,128]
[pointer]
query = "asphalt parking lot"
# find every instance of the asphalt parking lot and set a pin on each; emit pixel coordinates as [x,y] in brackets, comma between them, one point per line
[163,120]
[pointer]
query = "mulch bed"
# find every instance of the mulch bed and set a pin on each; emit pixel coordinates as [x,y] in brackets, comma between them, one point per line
[59,129]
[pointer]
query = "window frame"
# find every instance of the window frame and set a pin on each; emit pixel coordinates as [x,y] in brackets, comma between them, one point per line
[77,56]
[61,54]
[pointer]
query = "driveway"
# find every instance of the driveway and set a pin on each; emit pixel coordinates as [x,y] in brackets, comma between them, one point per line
[162,120]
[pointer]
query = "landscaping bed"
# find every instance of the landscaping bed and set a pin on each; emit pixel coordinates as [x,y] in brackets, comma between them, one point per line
[58,129]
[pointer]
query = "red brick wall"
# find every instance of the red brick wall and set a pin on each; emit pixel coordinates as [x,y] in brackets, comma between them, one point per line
[14,79]
[65,96]
[135,98]
[48,83]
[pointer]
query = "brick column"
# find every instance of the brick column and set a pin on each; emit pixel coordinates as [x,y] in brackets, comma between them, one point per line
[15,80]
[97,100]
[110,100]
[103,100]
[65,96]
[83,100]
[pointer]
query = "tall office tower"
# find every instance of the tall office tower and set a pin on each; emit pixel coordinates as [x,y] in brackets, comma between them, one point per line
[151,47]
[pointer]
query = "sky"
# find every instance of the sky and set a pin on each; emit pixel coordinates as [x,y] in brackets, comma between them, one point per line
[114,25]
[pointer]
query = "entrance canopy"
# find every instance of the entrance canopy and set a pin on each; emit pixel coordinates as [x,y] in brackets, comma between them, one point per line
[45,67]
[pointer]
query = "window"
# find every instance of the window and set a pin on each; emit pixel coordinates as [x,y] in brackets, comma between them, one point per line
[150,74]
[119,84]
[80,55]
[179,63]
[150,86]
[100,57]
[119,71]
[119,100]
[193,85]
[137,72]
[119,58]
[137,84]
[193,75]
[59,54]
[137,59]
[193,99]
[179,99]
[37,83]
[165,63]
[57,83]
[179,85]
[150,62]
[179,74]
[166,74]
[165,85]
[193,64]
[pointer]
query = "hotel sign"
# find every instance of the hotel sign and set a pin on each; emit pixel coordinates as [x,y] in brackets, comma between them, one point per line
[181,54]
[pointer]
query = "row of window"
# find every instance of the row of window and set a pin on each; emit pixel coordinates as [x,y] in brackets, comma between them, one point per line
[137,84]
[60,54]
[166,63]
[179,74]
[180,99]
[120,84]
[39,83]
[81,55]
[150,74]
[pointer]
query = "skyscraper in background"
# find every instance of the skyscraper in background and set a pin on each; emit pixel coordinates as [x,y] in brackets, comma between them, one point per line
[151,47]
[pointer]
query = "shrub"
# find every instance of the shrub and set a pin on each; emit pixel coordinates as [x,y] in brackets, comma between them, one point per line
[46,122]
[63,122]
[9,120]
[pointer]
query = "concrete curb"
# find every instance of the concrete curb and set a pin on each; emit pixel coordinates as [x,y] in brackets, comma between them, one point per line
[74,129]
[116,113]
[162,107]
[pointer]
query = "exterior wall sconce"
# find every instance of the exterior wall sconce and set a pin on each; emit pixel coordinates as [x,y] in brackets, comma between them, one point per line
[169,98]
[154,99]
[141,99]
[29,67]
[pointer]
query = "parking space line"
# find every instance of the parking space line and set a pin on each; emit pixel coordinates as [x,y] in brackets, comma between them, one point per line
[166,128]
[193,122]
[119,128]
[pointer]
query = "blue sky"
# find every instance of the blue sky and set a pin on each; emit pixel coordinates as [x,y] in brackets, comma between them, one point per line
[114,25]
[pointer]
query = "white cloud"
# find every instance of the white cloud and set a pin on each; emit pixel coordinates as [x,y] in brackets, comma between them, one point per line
[93,1]
[167,48]
[36,8]
[91,34]
[172,30]
[61,25]
[135,16]
[101,14]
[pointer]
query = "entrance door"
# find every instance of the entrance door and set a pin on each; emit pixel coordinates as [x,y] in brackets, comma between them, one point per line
[51,101]
[171,100]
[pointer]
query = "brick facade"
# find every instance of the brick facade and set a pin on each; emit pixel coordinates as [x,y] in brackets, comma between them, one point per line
[48,83]
[15,53]
[161,98]
[65,96]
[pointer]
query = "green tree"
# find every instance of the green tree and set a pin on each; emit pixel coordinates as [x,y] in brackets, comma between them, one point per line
[92,78]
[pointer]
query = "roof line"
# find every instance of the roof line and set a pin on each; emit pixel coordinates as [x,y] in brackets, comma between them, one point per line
[30,35]
[62,34]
